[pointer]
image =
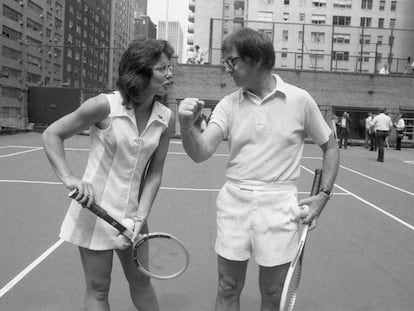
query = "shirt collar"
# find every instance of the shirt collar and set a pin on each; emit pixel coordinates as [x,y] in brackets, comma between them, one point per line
[279,90]
[159,112]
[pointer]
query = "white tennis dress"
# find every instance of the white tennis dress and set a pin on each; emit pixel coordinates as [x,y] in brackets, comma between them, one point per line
[117,158]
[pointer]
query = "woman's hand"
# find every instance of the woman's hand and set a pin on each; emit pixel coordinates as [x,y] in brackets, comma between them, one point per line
[85,194]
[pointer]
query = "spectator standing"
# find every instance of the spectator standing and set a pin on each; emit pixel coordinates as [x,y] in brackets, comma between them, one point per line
[384,70]
[368,130]
[344,129]
[382,125]
[400,127]
[198,55]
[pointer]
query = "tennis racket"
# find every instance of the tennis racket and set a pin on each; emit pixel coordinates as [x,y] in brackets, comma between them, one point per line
[291,285]
[157,255]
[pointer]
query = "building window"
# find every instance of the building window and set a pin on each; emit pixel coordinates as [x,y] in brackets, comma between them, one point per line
[267,32]
[285,17]
[341,38]
[366,39]
[319,3]
[302,17]
[284,52]
[365,22]
[316,57]
[382,5]
[342,20]
[318,19]
[366,4]
[340,56]
[365,57]
[343,4]
[11,53]
[392,22]
[317,37]
[393,5]
[379,40]
[11,14]
[286,2]
[265,16]
[285,35]
[380,23]
[300,36]
[11,34]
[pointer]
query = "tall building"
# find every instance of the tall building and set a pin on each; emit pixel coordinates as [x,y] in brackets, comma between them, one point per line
[55,43]
[122,32]
[173,34]
[337,35]
[31,53]
[144,27]
[86,44]
[141,7]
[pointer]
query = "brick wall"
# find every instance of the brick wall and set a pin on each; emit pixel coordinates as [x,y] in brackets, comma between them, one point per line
[329,89]
[334,92]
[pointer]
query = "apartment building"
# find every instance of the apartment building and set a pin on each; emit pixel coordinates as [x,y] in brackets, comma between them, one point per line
[171,31]
[86,42]
[31,53]
[336,35]
[56,43]
[121,33]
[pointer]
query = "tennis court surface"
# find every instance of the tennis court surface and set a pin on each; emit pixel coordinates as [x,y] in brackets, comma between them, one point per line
[361,257]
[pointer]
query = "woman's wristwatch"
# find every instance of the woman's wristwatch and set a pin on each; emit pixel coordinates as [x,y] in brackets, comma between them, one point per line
[327,192]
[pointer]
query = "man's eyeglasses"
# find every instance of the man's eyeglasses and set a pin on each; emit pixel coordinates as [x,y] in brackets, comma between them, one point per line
[230,62]
[165,69]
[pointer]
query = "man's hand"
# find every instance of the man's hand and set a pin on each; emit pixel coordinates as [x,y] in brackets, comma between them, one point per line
[189,111]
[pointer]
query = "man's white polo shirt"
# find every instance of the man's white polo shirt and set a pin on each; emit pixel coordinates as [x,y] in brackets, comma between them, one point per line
[266,137]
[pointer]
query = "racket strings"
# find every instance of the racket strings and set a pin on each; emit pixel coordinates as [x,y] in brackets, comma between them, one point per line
[161,256]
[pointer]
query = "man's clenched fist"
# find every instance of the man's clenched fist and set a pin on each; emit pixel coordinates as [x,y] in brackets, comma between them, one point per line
[189,111]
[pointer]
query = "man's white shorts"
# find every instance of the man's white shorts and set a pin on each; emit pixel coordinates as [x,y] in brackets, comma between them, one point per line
[256,218]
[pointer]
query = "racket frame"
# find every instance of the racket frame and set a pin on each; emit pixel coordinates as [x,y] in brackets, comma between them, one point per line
[160,235]
[297,260]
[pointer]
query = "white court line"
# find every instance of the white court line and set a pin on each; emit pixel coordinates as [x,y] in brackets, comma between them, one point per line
[409,162]
[370,204]
[21,152]
[29,268]
[378,181]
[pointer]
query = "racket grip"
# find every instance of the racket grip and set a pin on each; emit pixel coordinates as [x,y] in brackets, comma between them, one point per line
[316,182]
[101,213]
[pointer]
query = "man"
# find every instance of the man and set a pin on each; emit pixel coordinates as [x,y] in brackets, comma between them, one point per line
[368,130]
[382,125]
[344,129]
[399,126]
[265,123]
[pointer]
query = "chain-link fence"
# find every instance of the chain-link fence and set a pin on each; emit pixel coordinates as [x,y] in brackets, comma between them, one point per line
[325,47]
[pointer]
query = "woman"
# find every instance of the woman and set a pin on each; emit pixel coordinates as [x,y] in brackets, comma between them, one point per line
[128,128]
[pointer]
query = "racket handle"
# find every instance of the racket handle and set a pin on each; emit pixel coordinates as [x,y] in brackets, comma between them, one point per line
[316,182]
[101,213]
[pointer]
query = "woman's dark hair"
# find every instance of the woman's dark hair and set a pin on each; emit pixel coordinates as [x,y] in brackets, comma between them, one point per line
[251,44]
[135,68]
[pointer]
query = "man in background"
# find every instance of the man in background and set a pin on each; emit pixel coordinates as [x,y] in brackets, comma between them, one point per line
[382,125]
[344,129]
